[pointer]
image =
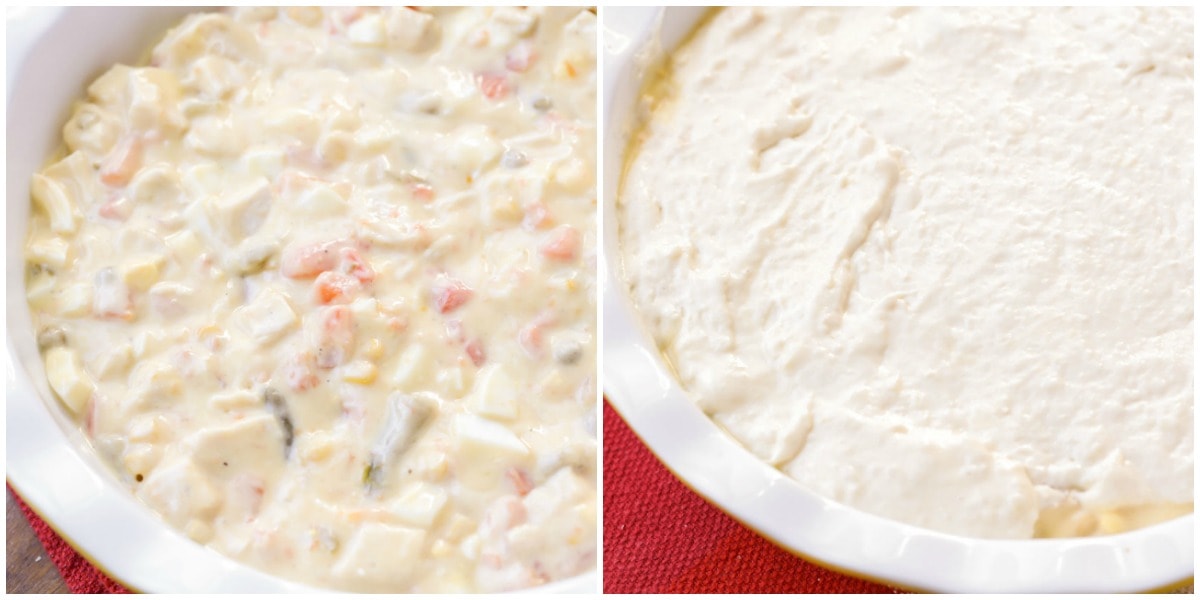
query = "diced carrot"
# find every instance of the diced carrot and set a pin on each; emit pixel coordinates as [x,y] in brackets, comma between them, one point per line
[122,162]
[537,216]
[520,58]
[117,208]
[422,192]
[333,287]
[356,266]
[563,244]
[450,294]
[530,335]
[336,337]
[494,87]
[520,480]
[298,372]
[474,350]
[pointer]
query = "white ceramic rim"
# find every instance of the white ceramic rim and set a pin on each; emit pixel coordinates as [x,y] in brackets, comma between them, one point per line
[48,460]
[706,459]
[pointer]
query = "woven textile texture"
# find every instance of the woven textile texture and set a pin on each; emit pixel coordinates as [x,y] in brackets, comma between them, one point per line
[660,537]
[81,577]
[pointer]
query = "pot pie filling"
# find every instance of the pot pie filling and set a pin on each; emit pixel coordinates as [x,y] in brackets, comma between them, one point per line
[320,286]
[934,264]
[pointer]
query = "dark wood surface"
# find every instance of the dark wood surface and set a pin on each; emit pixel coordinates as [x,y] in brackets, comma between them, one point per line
[27,567]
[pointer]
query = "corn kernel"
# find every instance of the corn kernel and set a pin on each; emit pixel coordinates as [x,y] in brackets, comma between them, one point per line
[360,371]
[140,275]
[374,350]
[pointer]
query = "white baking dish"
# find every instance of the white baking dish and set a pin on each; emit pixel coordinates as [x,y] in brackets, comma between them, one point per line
[714,465]
[52,55]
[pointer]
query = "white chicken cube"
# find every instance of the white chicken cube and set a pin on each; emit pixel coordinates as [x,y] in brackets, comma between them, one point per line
[495,394]
[267,317]
[379,554]
[419,504]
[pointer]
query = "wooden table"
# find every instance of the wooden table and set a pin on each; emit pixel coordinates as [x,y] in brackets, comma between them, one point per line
[28,569]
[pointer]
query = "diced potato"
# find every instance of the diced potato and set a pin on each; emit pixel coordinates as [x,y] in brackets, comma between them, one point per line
[441,549]
[295,123]
[185,246]
[487,438]
[495,394]
[458,527]
[367,31]
[419,504]
[154,96]
[517,21]
[156,184]
[573,175]
[152,383]
[413,367]
[267,317]
[198,531]
[91,130]
[215,76]
[474,147]
[411,30]
[334,147]
[504,209]
[234,400]
[109,89]
[215,135]
[204,179]
[431,465]
[113,361]
[253,444]
[207,34]
[470,547]
[75,300]
[266,162]
[242,212]
[1111,521]
[305,15]
[140,459]
[68,379]
[50,250]
[381,553]
[141,273]
[40,292]
[180,493]
[314,446]
[52,196]
[321,201]
[452,380]
[360,371]
[147,428]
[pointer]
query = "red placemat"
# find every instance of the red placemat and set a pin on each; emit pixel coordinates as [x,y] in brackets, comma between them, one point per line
[80,575]
[660,537]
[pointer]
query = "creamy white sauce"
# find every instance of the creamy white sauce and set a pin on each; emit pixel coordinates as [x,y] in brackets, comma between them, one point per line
[935,264]
[320,283]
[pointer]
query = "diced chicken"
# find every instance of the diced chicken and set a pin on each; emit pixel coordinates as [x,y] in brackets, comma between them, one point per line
[381,554]
[267,317]
[496,394]
[419,504]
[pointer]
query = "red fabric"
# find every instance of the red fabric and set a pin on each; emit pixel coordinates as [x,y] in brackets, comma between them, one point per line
[660,537]
[81,577]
